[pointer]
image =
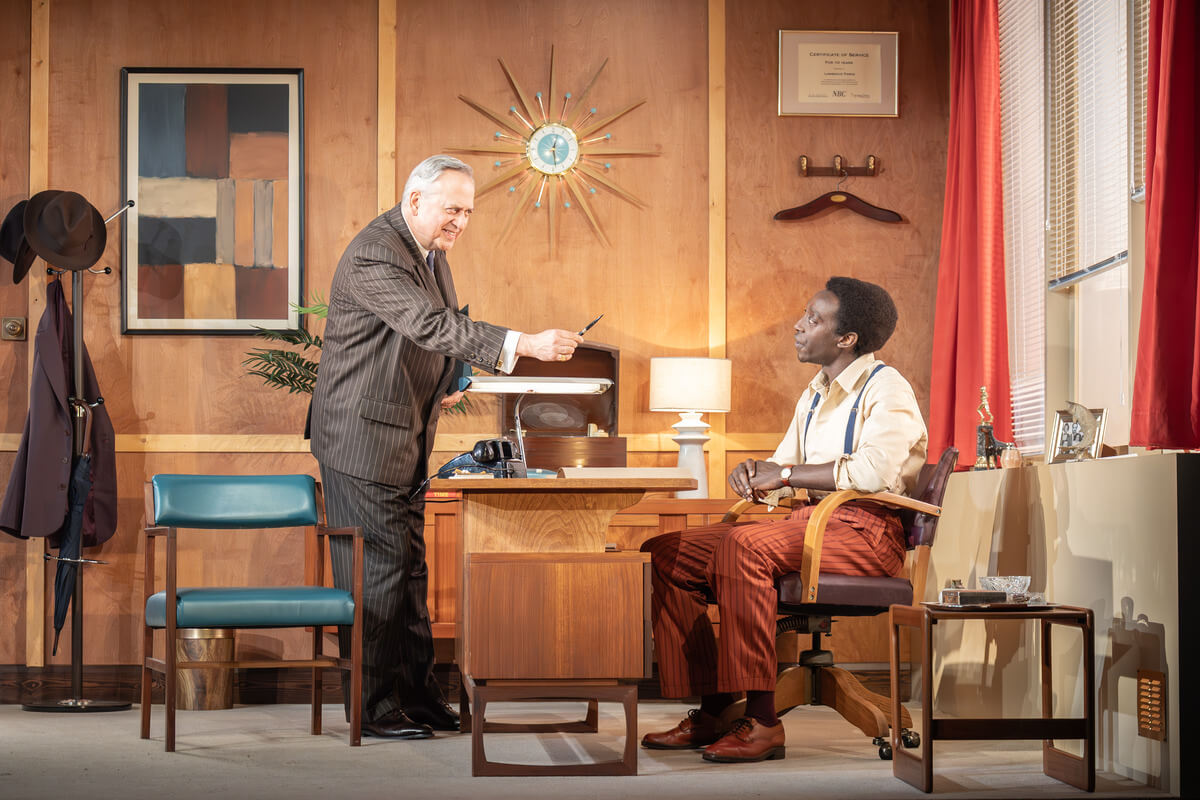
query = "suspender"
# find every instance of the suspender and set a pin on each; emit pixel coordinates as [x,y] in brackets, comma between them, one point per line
[848,444]
[811,409]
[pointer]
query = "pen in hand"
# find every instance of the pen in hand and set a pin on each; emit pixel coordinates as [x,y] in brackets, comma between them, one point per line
[588,327]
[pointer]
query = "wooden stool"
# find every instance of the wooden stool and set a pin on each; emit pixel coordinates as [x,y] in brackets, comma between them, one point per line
[917,770]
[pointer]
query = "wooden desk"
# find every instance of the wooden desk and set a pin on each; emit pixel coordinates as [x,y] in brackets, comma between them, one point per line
[544,611]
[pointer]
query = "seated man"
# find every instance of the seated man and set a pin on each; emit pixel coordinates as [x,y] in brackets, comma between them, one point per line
[857,426]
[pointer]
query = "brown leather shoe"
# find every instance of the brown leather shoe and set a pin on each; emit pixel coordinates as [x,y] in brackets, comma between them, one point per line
[747,740]
[697,729]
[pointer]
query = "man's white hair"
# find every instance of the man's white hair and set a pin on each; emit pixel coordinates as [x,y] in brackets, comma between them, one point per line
[425,174]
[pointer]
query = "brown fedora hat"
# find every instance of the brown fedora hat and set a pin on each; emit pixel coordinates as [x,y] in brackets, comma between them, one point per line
[12,241]
[65,229]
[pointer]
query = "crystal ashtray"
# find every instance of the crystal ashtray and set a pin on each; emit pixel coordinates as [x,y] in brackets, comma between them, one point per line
[1012,584]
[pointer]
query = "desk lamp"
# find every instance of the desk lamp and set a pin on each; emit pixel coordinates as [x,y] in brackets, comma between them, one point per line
[691,386]
[507,384]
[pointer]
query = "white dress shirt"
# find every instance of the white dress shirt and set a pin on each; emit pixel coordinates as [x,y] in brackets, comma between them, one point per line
[889,441]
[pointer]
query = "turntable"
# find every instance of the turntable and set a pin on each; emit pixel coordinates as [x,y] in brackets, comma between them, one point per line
[570,422]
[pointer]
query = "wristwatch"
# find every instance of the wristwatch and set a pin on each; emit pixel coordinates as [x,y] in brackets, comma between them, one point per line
[785,474]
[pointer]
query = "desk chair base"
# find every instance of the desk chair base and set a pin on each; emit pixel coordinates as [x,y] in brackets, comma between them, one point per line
[479,694]
[800,685]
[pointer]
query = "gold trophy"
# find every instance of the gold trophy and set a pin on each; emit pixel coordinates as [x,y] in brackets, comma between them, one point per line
[987,447]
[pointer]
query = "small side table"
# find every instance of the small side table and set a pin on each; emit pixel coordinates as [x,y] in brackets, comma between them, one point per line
[917,770]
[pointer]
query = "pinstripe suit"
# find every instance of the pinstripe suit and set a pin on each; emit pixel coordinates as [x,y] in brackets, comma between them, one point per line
[391,337]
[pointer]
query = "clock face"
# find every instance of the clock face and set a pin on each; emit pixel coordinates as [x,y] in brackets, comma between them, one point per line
[552,152]
[553,149]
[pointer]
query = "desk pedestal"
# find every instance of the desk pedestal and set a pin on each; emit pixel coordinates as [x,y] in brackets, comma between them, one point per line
[546,613]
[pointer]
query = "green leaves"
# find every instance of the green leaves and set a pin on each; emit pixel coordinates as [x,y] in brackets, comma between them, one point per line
[289,369]
[284,369]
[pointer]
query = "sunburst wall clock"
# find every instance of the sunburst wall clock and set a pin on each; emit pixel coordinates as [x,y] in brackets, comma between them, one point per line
[553,152]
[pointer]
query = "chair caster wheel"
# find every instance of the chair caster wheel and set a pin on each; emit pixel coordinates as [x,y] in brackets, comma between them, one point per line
[885,748]
[910,739]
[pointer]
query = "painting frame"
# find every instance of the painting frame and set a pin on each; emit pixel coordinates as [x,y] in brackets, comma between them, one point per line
[213,159]
[864,81]
[1065,427]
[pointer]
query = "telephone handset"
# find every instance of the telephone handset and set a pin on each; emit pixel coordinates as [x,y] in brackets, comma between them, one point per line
[496,456]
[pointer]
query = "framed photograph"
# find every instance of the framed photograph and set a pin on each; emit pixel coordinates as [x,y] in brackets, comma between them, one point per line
[1075,434]
[213,160]
[837,74]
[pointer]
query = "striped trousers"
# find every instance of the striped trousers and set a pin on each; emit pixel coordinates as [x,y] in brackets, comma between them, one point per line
[738,564]
[397,636]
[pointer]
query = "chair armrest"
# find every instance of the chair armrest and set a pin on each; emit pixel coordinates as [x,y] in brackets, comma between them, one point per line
[814,533]
[157,530]
[776,498]
[899,501]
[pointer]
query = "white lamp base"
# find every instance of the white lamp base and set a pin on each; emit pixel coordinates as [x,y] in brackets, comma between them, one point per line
[691,434]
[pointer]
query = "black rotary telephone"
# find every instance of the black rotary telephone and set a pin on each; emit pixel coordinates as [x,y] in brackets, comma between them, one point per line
[498,457]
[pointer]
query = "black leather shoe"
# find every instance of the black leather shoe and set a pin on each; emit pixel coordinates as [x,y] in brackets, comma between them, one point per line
[396,725]
[436,713]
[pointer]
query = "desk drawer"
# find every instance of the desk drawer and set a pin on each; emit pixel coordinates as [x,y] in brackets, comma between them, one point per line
[545,616]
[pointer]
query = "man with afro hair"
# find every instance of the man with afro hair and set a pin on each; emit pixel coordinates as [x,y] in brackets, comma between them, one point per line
[856,426]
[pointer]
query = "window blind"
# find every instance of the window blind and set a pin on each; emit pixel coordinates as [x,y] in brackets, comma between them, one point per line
[1023,141]
[1139,50]
[1088,174]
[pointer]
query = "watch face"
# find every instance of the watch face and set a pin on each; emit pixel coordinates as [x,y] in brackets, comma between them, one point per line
[553,149]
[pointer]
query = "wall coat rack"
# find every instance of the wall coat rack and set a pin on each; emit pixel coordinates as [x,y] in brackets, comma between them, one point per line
[838,198]
[839,169]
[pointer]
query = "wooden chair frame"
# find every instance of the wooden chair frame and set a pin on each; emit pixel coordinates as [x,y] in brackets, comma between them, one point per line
[315,572]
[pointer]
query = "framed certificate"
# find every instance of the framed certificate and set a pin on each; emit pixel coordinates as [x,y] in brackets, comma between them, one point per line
[837,74]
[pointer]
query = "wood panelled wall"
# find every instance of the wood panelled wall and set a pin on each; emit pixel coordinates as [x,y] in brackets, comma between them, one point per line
[182,403]
[14,359]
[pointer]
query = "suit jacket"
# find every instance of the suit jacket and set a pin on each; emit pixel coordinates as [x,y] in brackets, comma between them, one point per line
[35,503]
[391,337]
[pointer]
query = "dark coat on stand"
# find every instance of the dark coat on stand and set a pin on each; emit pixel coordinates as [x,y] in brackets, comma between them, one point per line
[35,503]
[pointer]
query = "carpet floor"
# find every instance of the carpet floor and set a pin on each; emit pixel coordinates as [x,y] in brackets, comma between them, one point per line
[265,752]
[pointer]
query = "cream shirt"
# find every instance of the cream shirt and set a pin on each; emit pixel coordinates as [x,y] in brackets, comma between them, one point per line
[890,440]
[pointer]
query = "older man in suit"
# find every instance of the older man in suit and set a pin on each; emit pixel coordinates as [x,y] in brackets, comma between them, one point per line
[391,340]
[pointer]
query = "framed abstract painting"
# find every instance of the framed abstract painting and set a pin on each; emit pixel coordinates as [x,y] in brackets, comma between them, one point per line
[213,160]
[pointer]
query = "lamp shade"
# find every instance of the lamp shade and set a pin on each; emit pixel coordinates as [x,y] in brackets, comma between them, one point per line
[690,384]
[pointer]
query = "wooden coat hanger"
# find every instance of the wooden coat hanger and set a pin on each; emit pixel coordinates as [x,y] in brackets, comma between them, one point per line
[838,198]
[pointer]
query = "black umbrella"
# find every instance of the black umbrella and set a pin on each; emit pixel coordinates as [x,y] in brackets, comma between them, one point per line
[70,542]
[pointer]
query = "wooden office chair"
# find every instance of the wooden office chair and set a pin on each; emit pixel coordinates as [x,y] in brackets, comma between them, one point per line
[226,503]
[811,598]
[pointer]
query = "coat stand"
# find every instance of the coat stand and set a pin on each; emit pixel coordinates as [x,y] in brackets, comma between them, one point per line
[76,702]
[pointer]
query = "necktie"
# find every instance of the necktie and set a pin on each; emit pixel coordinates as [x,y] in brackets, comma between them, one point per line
[429,261]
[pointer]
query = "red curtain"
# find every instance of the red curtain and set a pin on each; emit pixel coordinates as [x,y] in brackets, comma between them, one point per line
[970,341]
[1166,387]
